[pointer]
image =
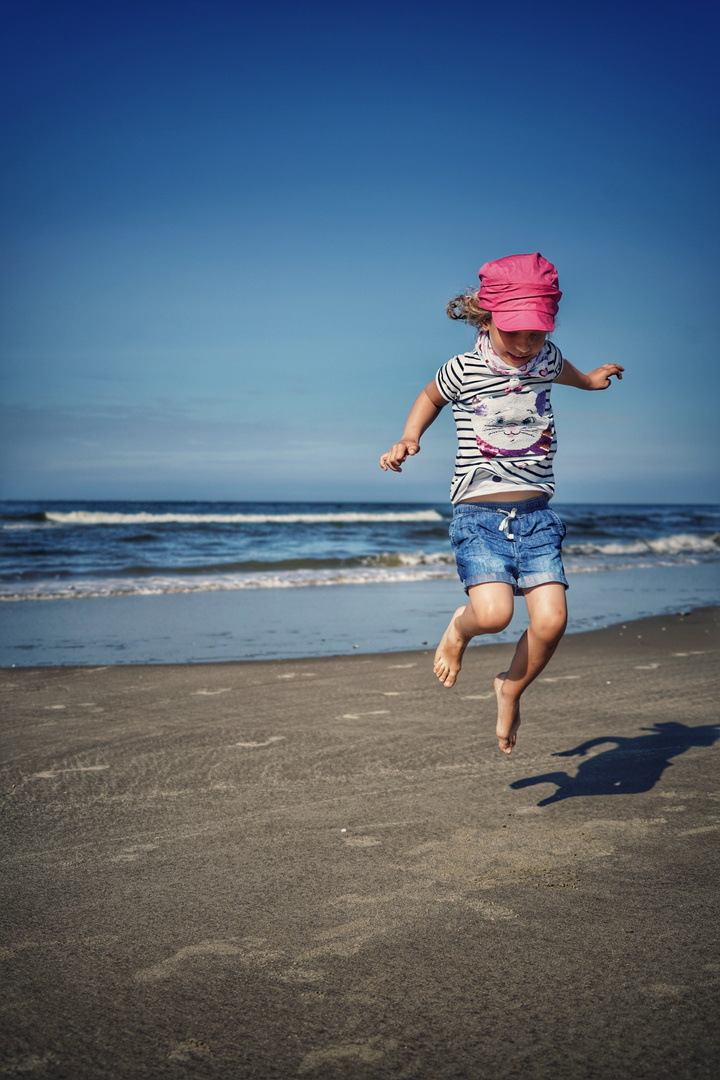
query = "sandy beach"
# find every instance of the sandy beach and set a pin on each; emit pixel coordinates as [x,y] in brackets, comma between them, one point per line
[325,868]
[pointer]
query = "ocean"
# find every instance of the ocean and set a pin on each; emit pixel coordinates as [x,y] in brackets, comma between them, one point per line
[266,580]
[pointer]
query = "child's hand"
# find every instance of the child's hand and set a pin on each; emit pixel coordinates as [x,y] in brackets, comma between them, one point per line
[397,454]
[599,379]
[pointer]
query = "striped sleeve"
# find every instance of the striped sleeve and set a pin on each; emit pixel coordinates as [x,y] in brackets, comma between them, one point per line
[449,379]
[555,360]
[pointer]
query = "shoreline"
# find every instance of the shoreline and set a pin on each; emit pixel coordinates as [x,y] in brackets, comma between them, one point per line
[648,623]
[311,621]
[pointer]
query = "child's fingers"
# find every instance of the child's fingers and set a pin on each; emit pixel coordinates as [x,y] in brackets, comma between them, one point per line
[392,460]
[396,455]
[602,376]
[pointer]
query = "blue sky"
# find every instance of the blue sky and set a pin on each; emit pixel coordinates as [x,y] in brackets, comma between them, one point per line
[230,231]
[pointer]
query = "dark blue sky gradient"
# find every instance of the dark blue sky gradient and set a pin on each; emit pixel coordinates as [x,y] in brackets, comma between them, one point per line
[230,233]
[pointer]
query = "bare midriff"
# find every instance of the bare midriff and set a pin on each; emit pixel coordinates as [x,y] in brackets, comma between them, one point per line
[521,495]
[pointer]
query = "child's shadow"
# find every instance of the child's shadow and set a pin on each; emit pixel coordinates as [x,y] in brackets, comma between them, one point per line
[631,766]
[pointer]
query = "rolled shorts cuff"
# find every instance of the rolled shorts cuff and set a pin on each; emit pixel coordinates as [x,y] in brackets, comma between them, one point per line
[529,581]
[486,579]
[518,587]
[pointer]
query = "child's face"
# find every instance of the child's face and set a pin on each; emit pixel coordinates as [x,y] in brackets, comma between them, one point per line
[518,346]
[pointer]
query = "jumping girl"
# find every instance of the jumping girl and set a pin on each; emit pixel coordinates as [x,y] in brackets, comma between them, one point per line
[506,538]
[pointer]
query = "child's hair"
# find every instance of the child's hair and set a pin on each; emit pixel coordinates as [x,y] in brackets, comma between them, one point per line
[467,309]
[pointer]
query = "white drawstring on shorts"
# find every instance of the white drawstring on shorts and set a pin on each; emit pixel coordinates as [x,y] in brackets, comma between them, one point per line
[504,525]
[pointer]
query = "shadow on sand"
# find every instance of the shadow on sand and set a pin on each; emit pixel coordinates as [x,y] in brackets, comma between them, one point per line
[629,767]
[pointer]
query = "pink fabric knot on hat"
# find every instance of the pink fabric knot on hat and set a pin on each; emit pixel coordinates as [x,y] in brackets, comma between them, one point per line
[521,291]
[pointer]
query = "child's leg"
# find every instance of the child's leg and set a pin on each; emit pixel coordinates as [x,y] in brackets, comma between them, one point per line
[489,611]
[548,618]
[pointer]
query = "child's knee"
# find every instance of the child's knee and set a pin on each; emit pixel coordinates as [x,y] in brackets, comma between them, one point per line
[496,621]
[550,624]
[492,613]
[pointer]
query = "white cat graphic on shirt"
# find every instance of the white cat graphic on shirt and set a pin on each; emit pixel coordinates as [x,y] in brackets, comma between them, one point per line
[512,424]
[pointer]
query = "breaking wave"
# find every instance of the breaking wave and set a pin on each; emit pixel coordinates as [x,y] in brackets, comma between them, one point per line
[678,544]
[340,517]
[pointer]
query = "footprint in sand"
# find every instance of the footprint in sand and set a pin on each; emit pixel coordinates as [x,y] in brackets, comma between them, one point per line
[50,774]
[268,742]
[366,1054]
[356,716]
[135,851]
[244,952]
[189,1051]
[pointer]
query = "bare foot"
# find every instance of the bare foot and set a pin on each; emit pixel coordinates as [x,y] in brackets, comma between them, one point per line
[449,654]
[508,720]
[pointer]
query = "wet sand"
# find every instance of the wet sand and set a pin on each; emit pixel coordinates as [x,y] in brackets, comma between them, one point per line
[325,868]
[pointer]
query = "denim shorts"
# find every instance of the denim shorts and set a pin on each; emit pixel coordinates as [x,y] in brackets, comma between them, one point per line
[518,543]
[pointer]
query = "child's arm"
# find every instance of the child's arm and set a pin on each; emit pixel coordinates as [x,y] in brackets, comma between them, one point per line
[427,407]
[599,379]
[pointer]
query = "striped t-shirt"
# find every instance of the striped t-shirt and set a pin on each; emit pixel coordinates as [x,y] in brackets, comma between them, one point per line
[505,425]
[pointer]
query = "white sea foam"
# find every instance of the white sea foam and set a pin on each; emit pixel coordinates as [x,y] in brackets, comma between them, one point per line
[102,517]
[410,558]
[677,544]
[158,586]
[401,568]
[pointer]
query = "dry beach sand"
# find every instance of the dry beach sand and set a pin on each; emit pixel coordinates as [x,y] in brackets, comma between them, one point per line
[325,868]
